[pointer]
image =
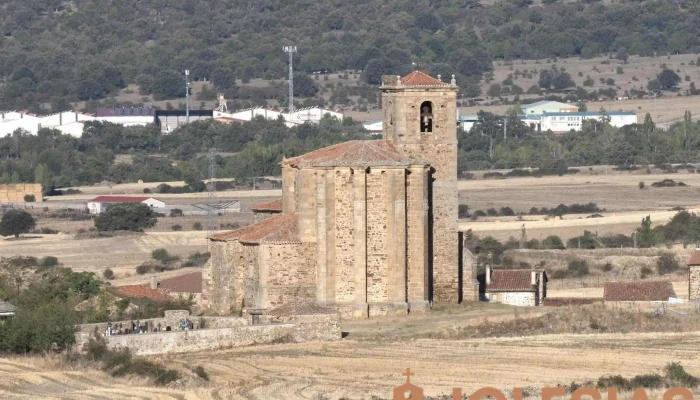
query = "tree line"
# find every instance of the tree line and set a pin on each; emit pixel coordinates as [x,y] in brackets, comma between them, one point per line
[57,53]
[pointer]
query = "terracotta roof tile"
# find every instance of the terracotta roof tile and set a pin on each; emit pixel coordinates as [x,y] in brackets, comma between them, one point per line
[281,228]
[365,153]
[694,258]
[638,291]
[188,283]
[143,292]
[510,280]
[271,206]
[418,78]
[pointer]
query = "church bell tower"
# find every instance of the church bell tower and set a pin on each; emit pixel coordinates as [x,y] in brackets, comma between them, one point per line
[419,118]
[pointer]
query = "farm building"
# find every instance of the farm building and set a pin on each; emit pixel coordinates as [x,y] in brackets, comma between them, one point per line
[180,286]
[516,287]
[650,291]
[561,122]
[374,127]
[310,114]
[546,106]
[99,204]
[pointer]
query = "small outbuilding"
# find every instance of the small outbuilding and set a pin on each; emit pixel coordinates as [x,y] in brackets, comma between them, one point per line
[694,275]
[99,204]
[266,210]
[517,287]
[7,310]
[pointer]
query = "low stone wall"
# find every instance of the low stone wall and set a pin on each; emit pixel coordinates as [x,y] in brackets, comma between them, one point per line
[222,332]
[170,319]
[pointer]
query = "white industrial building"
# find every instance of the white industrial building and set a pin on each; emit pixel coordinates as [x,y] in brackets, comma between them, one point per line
[561,122]
[310,114]
[547,106]
[374,127]
[69,122]
[99,204]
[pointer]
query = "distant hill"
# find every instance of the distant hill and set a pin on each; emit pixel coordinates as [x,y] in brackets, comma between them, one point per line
[56,53]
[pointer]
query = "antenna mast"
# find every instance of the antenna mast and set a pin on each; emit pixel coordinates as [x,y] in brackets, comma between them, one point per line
[291,50]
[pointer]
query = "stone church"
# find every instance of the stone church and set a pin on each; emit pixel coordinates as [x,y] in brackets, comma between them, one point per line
[369,227]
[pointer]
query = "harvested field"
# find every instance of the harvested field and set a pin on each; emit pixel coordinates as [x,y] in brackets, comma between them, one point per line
[360,368]
[617,193]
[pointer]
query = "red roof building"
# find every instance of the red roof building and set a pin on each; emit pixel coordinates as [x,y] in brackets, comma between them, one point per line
[274,206]
[638,291]
[518,287]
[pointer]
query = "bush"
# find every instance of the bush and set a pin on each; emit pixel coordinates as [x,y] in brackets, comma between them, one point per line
[553,242]
[463,211]
[507,211]
[492,212]
[121,363]
[479,213]
[197,226]
[108,274]
[176,227]
[641,185]
[144,269]
[198,259]
[176,212]
[676,373]
[48,261]
[200,372]
[126,217]
[29,198]
[646,271]
[647,381]
[666,264]
[607,267]
[577,268]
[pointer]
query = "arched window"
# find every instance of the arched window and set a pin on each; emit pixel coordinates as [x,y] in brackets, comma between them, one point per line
[426,117]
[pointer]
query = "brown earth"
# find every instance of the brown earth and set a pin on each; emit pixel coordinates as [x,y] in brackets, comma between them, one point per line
[359,368]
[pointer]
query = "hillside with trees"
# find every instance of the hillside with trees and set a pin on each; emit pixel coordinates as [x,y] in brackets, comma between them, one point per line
[55,53]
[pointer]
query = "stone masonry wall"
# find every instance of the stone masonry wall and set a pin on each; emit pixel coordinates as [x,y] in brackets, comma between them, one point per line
[14,193]
[288,273]
[694,282]
[218,279]
[402,108]
[518,298]
[297,328]
[377,262]
[344,232]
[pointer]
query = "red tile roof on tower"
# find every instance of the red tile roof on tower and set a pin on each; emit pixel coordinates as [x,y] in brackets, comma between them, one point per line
[694,258]
[119,199]
[365,153]
[510,280]
[274,206]
[279,229]
[638,291]
[188,283]
[418,78]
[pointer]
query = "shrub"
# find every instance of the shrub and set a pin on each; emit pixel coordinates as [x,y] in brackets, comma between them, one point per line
[553,242]
[198,259]
[29,198]
[577,268]
[492,212]
[641,185]
[676,373]
[176,227]
[200,372]
[197,226]
[607,267]
[108,274]
[463,211]
[147,190]
[144,269]
[48,261]
[646,271]
[507,211]
[647,381]
[667,263]
[176,212]
[479,213]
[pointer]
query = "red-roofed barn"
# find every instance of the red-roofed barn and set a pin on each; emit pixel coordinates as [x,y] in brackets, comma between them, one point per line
[517,287]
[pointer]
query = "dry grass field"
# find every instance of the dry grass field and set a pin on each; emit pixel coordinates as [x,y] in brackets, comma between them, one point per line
[360,367]
[618,193]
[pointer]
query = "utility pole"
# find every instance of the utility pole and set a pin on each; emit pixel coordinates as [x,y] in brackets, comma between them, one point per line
[291,50]
[505,127]
[187,93]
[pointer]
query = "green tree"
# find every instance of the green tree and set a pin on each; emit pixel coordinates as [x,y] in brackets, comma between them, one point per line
[553,242]
[126,217]
[668,79]
[582,107]
[16,222]
[42,175]
[646,236]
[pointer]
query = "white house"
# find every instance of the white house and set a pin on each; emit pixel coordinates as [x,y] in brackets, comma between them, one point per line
[69,122]
[516,287]
[99,204]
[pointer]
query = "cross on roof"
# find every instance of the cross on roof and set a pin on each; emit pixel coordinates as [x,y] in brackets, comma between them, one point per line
[408,374]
